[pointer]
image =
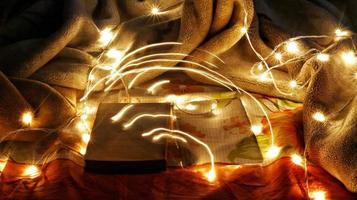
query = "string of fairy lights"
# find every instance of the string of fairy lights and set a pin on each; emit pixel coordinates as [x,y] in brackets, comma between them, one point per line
[289,51]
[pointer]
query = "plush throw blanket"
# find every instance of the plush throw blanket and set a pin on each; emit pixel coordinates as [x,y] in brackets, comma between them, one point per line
[51,42]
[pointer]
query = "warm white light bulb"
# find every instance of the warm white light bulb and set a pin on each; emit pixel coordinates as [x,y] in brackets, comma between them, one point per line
[31,171]
[91,77]
[260,67]
[214,106]
[263,77]
[243,30]
[256,129]
[216,112]
[155,11]
[293,84]
[2,165]
[341,33]
[317,195]
[278,56]
[114,53]
[273,152]
[190,107]
[106,36]
[295,158]
[319,116]
[83,150]
[211,175]
[292,47]
[84,117]
[27,118]
[89,109]
[82,125]
[349,57]
[323,57]
[85,137]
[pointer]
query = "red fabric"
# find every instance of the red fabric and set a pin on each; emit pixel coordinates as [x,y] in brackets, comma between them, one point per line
[63,179]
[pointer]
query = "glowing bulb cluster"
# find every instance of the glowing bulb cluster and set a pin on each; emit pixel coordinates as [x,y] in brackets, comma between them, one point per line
[84,127]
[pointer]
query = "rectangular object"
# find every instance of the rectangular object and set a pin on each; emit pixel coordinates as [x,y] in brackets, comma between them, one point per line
[116,147]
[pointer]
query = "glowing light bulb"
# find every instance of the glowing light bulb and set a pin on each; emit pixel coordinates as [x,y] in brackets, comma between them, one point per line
[31,171]
[292,47]
[216,112]
[260,67]
[83,150]
[278,56]
[91,77]
[89,109]
[190,107]
[319,116]
[263,77]
[211,175]
[349,57]
[106,67]
[341,33]
[293,84]
[155,11]
[323,57]
[106,36]
[273,152]
[27,118]
[85,137]
[243,30]
[256,129]
[214,106]
[295,158]
[2,165]
[317,195]
[82,126]
[84,117]
[114,53]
